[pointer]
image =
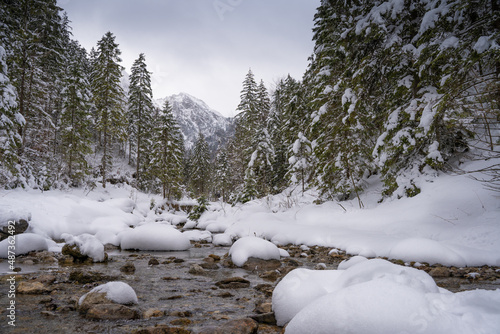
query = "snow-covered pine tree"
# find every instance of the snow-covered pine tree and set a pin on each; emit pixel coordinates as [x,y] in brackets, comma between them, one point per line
[76,119]
[449,84]
[11,122]
[200,167]
[240,147]
[262,158]
[277,132]
[35,51]
[109,99]
[222,177]
[140,110]
[167,154]
[301,161]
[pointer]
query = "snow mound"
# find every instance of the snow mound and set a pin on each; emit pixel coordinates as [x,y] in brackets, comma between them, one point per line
[376,296]
[222,240]
[197,235]
[217,227]
[425,250]
[88,245]
[154,237]
[247,247]
[118,292]
[298,289]
[24,243]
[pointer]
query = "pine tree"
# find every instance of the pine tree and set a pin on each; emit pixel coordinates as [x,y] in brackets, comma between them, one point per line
[223,174]
[76,122]
[262,158]
[35,42]
[108,99]
[11,121]
[140,108]
[200,167]
[167,153]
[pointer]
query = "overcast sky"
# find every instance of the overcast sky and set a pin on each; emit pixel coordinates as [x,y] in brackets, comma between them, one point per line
[202,47]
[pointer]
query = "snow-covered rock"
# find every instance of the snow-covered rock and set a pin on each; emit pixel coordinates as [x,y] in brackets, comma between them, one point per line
[23,244]
[247,247]
[87,244]
[116,292]
[154,237]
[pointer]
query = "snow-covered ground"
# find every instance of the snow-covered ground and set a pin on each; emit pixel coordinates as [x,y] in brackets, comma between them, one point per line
[454,221]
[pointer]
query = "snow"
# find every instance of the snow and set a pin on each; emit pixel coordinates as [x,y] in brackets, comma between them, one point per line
[247,247]
[154,237]
[118,292]
[222,240]
[88,244]
[24,243]
[376,296]
[484,43]
[453,221]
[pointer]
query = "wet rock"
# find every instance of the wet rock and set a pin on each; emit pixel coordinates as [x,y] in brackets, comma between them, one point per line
[233,283]
[291,262]
[179,260]
[89,277]
[215,257]
[440,272]
[20,226]
[76,254]
[270,275]
[448,283]
[243,326]
[259,265]
[92,299]
[196,269]
[267,289]
[162,329]
[209,266]
[46,278]
[263,308]
[33,288]
[111,312]
[265,318]
[65,260]
[128,268]
[152,313]
[225,295]
[181,314]
[153,262]
[183,322]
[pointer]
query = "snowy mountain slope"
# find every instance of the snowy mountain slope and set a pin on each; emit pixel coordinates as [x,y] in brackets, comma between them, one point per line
[194,116]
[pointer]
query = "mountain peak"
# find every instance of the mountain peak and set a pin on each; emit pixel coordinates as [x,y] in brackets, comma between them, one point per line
[193,116]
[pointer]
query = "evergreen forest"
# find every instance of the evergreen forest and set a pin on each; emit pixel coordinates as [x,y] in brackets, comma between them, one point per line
[399,89]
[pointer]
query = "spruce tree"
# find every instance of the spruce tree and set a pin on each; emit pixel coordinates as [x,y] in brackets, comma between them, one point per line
[108,99]
[140,109]
[11,122]
[200,167]
[167,154]
[76,122]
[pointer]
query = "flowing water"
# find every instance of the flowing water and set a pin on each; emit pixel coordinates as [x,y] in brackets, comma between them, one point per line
[178,297]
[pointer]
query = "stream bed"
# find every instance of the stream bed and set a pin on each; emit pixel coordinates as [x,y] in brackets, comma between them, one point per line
[178,292]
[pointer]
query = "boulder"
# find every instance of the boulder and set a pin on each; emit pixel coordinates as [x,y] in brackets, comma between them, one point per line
[33,288]
[111,312]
